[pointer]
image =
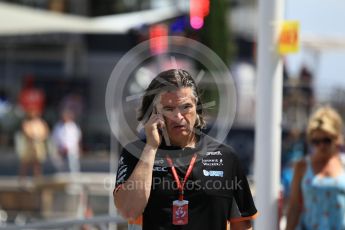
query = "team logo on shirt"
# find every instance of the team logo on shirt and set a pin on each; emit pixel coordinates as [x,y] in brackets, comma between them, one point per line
[159,162]
[217,153]
[121,161]
[213,173]
[122,171]
[159,169]
[212,162]
[158,166]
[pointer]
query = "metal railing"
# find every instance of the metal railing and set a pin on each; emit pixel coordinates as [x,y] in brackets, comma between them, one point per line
[99,221]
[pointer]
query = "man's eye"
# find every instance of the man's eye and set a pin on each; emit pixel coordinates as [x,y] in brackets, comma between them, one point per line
[187,106]
[168,109]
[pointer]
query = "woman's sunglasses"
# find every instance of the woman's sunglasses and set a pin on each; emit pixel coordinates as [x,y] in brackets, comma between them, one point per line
[326,141]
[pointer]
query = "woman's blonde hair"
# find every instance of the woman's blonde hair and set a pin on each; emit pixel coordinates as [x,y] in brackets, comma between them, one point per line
[325,119]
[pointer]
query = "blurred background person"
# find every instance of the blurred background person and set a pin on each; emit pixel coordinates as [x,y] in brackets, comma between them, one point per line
[5,108]
[74,103]
[67,138]
[31,143]
[30,97]
[317,198]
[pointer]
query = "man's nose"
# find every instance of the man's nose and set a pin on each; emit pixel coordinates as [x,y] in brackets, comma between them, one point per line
[177,114]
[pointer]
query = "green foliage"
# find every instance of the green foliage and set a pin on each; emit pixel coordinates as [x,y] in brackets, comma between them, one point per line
[215,33]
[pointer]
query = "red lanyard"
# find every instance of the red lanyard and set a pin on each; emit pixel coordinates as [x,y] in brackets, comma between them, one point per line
[189,171]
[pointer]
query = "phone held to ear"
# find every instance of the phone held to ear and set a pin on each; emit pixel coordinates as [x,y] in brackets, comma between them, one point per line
[162,131]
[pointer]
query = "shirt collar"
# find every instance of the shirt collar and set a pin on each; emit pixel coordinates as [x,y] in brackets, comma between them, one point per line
[176,150]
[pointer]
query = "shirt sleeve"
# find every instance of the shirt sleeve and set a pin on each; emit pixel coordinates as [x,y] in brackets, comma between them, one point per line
[243,207]
[126,165]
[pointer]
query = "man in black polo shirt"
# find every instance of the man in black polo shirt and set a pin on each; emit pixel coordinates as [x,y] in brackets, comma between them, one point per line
[178,178]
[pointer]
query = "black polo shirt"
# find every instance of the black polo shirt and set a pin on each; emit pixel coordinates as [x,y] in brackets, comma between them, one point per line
[217,189]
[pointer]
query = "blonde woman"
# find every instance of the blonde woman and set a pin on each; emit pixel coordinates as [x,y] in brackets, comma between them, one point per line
[318,187]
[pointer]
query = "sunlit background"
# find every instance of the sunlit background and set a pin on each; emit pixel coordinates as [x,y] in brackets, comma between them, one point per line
[67,49]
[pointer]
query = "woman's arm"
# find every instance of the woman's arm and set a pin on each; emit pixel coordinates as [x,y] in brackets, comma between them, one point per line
[296,198]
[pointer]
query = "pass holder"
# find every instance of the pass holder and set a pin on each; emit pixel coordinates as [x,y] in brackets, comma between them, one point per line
[180,206]
[180,212]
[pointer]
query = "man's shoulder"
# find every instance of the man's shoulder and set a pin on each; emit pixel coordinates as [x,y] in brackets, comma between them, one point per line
[135,147]
[137,142]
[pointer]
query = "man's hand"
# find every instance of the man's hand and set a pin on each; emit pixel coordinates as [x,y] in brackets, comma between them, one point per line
[156,121]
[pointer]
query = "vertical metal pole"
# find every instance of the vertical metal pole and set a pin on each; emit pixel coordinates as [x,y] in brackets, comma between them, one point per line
[268,115]
[114,148]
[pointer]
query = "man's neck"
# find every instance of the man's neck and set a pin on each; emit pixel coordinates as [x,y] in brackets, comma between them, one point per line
[189,141]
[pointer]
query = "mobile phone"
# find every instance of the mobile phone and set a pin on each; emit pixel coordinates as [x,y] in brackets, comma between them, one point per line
[163,130]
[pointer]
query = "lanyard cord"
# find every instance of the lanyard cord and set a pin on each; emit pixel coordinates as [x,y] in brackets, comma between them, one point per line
[180,185]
